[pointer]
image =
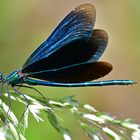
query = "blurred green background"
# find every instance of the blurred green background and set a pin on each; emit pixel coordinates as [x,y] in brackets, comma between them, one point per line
[24,25]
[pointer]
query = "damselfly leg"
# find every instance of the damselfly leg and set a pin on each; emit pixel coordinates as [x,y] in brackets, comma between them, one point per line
[27,105]
[20,86]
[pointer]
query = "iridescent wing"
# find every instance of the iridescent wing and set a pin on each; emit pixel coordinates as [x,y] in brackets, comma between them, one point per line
[76,74]
[86,70]
[76,52]
[77,25]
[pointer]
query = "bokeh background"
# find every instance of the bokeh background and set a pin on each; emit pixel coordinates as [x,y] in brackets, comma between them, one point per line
[26,24]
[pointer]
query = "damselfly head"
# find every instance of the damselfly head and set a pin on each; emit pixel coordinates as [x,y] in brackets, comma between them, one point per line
[1,77]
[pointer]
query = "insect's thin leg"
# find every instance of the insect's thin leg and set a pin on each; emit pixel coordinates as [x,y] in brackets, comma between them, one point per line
[33,89]
[1,91]
[10,103]
[28,102]
[2,87]
[18,86]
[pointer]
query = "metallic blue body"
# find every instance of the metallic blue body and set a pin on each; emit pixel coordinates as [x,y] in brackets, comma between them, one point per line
[14,79]
[85,84]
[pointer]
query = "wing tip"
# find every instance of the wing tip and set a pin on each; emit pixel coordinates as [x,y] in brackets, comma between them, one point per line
[106,65]
[101,34]
[87,9]
[85,6]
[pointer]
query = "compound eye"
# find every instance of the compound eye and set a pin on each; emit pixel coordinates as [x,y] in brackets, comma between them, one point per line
[1,77]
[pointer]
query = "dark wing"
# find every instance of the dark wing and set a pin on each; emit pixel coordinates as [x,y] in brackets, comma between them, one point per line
[98,43]
[78,24]
[76,74]
[77,52]
[82,71]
